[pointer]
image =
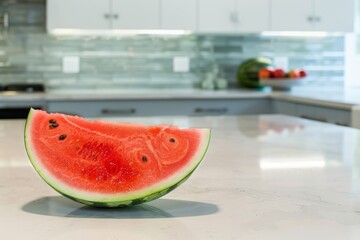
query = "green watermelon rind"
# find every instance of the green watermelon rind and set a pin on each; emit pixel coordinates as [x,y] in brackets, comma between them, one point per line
[121,200]
[132,201]
[250,78]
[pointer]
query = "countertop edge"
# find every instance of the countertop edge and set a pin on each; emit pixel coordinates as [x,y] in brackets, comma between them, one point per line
[313,101]
[178,95]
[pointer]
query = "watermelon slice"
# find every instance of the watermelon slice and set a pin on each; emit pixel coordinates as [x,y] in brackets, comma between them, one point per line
[107,164]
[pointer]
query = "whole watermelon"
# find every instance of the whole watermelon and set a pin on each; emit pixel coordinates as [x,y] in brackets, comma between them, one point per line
[247,73]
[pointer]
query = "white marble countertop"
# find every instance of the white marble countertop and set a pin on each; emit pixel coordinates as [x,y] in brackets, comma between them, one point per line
[133,94]
[337,98]
[264,177]
[327,97]
[154,94]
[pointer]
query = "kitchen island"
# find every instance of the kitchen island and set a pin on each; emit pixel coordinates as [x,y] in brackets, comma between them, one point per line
[264,177]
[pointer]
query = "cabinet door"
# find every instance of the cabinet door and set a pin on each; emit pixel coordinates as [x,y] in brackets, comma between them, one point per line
[324,114]
[157,107]
[96,109]
[284,107]
[334,15]
[136,14]
[292,15]
[253,16]
[178,15]
[217,16]
[78,14]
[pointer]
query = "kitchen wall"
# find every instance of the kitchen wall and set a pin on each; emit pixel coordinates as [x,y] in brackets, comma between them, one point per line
[27,53]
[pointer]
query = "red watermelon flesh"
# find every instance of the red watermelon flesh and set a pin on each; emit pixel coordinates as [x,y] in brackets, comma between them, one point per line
[111,164]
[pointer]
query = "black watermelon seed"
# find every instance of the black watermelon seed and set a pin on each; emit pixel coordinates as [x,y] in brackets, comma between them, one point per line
[144,159]
[52,121]
[53,125]
[62,137]
[172,140]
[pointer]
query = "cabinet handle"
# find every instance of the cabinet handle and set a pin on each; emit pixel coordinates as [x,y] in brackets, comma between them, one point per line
[115,16]
[106,15]
[319,119]
[211,110]
[234,17]
[119,111]
[342,124]
[314,18]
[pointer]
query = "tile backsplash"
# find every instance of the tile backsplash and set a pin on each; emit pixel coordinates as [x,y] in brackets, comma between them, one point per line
[28,53]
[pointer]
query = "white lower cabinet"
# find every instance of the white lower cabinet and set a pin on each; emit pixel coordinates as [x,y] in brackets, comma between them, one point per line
[324,114]
[284,107]
[130,108]
[317,113]
[199,107]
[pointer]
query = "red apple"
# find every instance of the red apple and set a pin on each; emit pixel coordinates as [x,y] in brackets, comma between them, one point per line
[302,73]
[279,73]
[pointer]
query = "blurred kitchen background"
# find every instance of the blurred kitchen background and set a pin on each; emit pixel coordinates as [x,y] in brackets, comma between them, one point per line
[33,51]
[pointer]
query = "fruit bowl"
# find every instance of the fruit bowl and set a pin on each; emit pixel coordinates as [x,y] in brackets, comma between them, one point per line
[281,83]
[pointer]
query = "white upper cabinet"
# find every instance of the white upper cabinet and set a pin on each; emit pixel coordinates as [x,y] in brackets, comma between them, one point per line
[136,14]
[80,14]
[203,16]
[334,15]
[253,16]
[312,15]
[232,16]
[103,14]
[291,15]
[217,16]
[178,15]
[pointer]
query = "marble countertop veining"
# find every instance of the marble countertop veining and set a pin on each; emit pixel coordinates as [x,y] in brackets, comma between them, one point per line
[264,177]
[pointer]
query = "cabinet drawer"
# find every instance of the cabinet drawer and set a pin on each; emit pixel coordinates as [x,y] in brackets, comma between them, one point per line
[161,107]
[283,107]
[219,107]
[323,114]
[94,108]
